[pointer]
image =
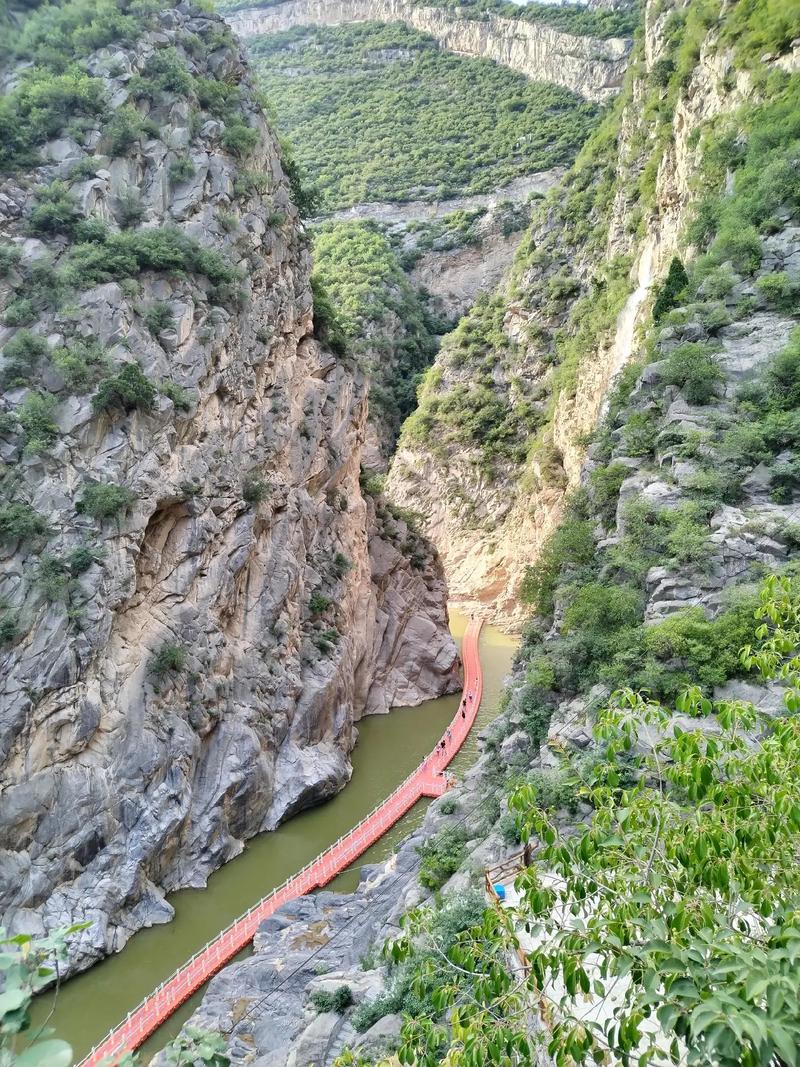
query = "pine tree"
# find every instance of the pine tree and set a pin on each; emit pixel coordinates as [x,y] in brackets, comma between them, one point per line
[670,293]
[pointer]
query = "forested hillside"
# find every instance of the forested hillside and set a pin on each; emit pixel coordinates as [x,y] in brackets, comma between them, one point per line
[533,367]
[619,21]
[379,112]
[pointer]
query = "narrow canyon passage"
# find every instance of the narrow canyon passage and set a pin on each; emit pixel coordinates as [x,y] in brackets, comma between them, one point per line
[389,747]
[332,331]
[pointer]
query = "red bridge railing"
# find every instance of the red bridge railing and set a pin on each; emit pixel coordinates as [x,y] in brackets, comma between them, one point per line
[428,780]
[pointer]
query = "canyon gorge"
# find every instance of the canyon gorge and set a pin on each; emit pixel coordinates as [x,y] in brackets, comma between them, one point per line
[280,386]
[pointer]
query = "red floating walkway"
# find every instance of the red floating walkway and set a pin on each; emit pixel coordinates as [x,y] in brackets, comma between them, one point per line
[428,780]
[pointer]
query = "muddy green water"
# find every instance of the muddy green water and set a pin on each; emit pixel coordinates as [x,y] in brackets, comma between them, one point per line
[388,749]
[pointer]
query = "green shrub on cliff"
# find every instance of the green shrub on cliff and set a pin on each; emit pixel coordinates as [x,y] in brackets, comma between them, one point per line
[441,856]
[20,522]
[20,312]
[694,368]
[105,501]
[327,323]
[35,416]
[671,292]
[54,211]
[39,108]
[126,391]
[570,550]
[170,659]
[125,127]
[338,1000]
[124,255]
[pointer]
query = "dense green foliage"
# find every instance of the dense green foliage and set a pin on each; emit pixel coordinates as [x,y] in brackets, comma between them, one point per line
[22,355]
[378,112]
[21,523]
[35,415]
[327,324]
[195,1045]
[766,183]
[386,323]
[758,27]
[338,1000]
[55,91]
[670,293]
[570,18]
[105,501]
[124,255]
[125,391]
[441,856]
[682,894]
[39,108]
[412,986]
[28,965]
[475,412]
[501,415]
[694,369]
[170,658]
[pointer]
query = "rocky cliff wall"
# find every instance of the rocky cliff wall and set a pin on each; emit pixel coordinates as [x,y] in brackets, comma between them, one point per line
[197,601]
[587,279]
[589,66]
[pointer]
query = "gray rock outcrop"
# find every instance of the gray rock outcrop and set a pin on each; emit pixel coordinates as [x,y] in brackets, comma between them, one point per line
[196,680]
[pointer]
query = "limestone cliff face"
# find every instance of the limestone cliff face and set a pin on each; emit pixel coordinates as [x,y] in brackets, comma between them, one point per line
[195,678]
[455,276]
[490,527]
[587,65]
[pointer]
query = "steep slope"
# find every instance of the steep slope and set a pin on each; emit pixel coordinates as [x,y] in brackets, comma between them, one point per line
[197,601]
[504,414]
[388,324]
[590,66]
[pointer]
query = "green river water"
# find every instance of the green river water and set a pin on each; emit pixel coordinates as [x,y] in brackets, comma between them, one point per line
[388,749]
